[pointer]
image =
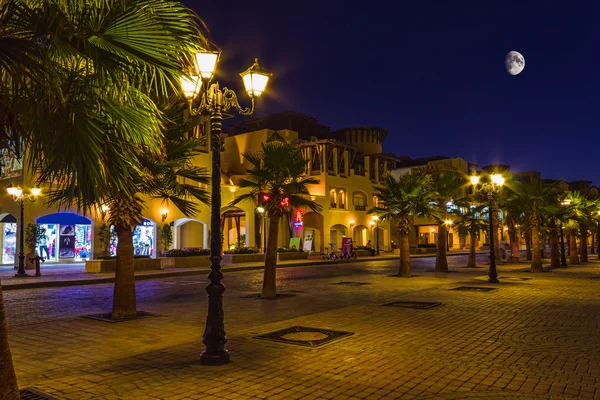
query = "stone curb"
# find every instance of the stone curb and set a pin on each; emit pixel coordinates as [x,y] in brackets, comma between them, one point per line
[225,270]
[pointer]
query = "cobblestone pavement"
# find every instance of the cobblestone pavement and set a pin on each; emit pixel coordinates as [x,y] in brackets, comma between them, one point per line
[535,337]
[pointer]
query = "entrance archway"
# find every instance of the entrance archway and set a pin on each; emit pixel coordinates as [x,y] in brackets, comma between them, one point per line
[336,233]
[189,232]
[313,228]
[67,237]
[233,223]
[360,236]
[8,238]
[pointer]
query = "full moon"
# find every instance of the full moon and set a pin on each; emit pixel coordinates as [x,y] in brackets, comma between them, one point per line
[514,62]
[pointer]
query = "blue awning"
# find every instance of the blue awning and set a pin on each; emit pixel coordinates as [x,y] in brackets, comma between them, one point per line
[64,218]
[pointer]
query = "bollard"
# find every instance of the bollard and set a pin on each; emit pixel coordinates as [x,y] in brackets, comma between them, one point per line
[37,259]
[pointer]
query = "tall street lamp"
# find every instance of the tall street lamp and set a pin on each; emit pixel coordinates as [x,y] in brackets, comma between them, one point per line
[491,187]
[376,219]
[563,253]
[214,101]
[18,195]
[261,211]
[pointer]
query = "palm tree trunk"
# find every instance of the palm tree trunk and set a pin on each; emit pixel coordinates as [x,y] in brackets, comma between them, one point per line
[404,270]
[554,252]
[573,257]
[269,288]
[583,244]
[528,245]
[441,262]
[514,243]
[472,261]
[536,262]
[598,240]
[9,389]
[124,298]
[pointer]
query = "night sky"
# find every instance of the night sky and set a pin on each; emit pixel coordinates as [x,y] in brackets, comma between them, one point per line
[431,72]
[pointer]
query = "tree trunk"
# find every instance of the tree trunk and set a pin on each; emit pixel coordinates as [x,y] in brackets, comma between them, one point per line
[528,245]
[592,242]
[441,262]
[269,288]
[9,389]
[598,240]
[404,270]
[536,261]
[573,257]
[124,299]
[472,261]
[514,244]
[554,251]
[583,245]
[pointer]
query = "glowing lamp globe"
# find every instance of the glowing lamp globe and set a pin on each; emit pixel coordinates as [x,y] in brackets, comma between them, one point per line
[474,179]
[36,192]
[11,190]
[206,63]
[255,79]
[498,179]
[190,85]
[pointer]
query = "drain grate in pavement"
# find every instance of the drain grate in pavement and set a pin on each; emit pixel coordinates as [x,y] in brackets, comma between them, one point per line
[277,296]
[512,278]
[34,394]
[304,336]
[417,305]
[106,317]
[473,289]
[351,283]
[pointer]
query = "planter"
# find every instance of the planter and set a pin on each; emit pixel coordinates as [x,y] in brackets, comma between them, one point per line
[292,255]
[29,264]
[185,262]
[139,264]
[363,253]
[242,258]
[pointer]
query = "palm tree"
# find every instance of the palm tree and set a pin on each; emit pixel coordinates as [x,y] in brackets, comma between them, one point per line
[8,380]
[537,201]
[399,200]
[278,170]
[584,211]
[572,229]
[471,223]
[446,187]
[85,70]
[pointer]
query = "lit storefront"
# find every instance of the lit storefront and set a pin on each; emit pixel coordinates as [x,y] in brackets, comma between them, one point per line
[8,223]
[144,239]
[67,237]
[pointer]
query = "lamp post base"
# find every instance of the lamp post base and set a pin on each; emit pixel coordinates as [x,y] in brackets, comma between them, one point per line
[215,359]
[493,280]
[21,274]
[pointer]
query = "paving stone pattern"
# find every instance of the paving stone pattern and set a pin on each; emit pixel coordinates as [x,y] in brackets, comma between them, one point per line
[530,339]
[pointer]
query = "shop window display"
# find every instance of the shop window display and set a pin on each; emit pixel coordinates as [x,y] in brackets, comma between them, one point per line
[143,239]
[47,246]
[9,243]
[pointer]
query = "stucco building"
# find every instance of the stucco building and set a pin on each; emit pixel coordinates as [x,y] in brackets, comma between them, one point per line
[347,163]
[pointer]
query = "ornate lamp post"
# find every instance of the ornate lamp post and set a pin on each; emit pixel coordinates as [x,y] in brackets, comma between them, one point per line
[376,219]
[18,195]
[491,187]
[563,256]
[214,101]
